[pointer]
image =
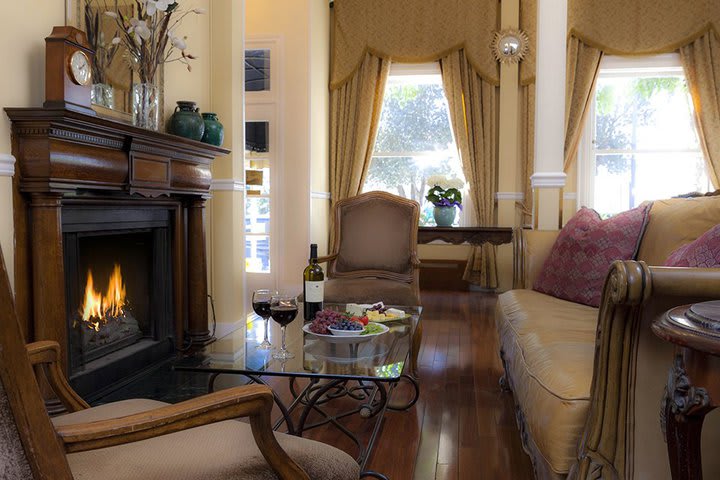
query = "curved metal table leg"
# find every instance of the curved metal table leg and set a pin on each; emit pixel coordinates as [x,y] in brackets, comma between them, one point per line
[413,400]
[370,473]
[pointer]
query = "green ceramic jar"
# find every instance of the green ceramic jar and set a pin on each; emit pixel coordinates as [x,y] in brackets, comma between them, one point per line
[186,121]
[214,130]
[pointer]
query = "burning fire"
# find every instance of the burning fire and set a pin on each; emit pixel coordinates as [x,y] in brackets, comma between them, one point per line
[96,308]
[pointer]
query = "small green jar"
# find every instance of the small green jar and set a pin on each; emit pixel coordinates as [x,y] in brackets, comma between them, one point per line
[186,121]
[214,130]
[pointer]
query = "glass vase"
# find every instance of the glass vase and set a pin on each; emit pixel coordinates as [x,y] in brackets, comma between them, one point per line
[146,105]
[102,94]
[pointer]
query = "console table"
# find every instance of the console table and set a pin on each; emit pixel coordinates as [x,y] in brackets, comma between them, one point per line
[693,387]
[471,235]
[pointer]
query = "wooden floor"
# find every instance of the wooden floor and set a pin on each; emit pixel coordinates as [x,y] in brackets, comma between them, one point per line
[463,427]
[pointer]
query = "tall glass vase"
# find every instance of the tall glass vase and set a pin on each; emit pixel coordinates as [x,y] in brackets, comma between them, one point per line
[146,105]
[102,94]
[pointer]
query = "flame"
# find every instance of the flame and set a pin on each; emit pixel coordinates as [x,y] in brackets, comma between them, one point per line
[97,309]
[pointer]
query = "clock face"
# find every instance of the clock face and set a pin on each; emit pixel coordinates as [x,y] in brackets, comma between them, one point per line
[80,68]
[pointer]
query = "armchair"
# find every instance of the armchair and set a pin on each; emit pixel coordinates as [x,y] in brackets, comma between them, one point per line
[374,251]
[140,438]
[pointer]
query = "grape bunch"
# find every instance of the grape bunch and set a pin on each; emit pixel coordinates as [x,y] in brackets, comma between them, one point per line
[325,319]
[346,324]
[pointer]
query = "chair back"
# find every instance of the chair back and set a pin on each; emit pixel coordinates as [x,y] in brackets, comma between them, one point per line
[29,447]
[375,235]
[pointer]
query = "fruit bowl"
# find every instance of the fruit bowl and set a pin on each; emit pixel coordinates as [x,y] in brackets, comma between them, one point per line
[345,333]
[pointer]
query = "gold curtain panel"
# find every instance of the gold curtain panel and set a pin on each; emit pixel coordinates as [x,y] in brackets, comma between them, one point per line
[641,26]
[413,31]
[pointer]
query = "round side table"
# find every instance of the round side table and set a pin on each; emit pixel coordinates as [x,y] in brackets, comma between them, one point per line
[693,386]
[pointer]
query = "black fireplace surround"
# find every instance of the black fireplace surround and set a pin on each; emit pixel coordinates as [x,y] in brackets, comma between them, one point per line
[138,239]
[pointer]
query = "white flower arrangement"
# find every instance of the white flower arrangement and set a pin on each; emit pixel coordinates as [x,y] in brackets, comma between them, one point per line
[444,182]
[444,191]
[150,36]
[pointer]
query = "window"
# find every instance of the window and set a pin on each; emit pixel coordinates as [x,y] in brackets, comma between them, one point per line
[640,141]
[414,138]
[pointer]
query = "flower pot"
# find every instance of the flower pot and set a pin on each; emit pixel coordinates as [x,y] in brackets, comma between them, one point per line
[186,121]
[146,105]
[214,131]
[444,216]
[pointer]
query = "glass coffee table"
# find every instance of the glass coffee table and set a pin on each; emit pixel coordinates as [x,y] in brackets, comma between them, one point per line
[364,370]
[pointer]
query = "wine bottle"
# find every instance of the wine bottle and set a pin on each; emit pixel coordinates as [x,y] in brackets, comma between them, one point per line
[313,286]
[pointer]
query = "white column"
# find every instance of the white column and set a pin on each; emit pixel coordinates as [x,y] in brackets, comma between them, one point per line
[548,179]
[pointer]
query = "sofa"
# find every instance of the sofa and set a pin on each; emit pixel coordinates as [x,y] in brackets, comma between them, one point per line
[588,382]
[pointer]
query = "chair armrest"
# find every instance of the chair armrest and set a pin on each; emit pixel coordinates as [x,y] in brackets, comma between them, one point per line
[632,296]
[47,353]
[531,249]
[327,258]
[254,401]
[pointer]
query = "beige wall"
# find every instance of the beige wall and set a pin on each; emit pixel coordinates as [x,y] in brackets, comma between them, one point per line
[22,84]
[303,103]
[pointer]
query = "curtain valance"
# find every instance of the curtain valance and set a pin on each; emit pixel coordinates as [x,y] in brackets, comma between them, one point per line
[413,31]
[641,27]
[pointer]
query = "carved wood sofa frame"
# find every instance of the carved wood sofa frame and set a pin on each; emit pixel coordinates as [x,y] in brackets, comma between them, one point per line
[632,292]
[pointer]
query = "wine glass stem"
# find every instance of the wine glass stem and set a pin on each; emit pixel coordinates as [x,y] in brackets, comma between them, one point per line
[265,340]
[282,328]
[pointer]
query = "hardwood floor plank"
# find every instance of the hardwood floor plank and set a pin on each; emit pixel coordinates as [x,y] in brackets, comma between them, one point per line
[462,427]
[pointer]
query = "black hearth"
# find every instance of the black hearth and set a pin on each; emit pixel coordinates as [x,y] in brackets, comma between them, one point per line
[118,279]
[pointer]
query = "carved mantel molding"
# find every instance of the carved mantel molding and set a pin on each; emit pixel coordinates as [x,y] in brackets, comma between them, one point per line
[66,157]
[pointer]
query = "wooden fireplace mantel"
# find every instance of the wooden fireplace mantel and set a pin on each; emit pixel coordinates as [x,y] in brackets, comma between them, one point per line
[65,158]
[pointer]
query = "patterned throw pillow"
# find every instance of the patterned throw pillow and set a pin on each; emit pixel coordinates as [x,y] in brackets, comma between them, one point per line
[584,251]
[703,252]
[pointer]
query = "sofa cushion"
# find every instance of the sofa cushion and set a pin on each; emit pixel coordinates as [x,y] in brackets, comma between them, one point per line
[584,251]
[548,347]
[675,222]
[703,252]
[223,450]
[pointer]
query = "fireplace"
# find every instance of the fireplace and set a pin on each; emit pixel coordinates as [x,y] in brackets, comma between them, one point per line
[118,281]
[99,198]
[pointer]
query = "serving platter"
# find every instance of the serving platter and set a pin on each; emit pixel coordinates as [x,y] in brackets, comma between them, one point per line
[348,339]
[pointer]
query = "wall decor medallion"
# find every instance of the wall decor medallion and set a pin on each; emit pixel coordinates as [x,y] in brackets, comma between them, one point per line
[510,45]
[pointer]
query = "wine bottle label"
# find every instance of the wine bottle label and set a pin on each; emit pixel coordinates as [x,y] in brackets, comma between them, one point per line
[314,291]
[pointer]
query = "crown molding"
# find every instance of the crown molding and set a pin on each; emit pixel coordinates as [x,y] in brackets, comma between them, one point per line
[548,179]
[7,165]
[228,184]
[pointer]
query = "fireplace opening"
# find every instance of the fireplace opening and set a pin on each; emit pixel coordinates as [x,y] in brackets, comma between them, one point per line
[119,294]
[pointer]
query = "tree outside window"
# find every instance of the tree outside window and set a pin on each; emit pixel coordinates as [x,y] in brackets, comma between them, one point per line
[414,140]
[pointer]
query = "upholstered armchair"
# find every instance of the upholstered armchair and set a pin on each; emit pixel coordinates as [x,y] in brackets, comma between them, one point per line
[140,439]
[374,251]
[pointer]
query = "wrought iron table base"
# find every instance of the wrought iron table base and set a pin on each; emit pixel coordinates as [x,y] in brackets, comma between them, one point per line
[373,394]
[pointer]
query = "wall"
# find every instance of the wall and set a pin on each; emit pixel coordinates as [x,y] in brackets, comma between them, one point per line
[22,85]
[302,29]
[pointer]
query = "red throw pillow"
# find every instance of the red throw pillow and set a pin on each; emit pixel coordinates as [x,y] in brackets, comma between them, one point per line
[584,251]
[703,252]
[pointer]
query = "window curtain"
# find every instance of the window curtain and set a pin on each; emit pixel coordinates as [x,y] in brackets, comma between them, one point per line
[354,117]
[583,65]
[701,61]
[472,102]
[527,150]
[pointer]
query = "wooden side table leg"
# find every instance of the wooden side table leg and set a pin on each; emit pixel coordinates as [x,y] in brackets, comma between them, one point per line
[684,409]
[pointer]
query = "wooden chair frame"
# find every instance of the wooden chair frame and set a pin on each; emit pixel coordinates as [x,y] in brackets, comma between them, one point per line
[46,446]
[413,277]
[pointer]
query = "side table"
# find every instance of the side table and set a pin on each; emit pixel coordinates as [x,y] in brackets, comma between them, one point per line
[693,387]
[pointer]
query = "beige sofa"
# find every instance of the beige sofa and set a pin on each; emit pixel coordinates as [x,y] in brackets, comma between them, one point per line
[588,382]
